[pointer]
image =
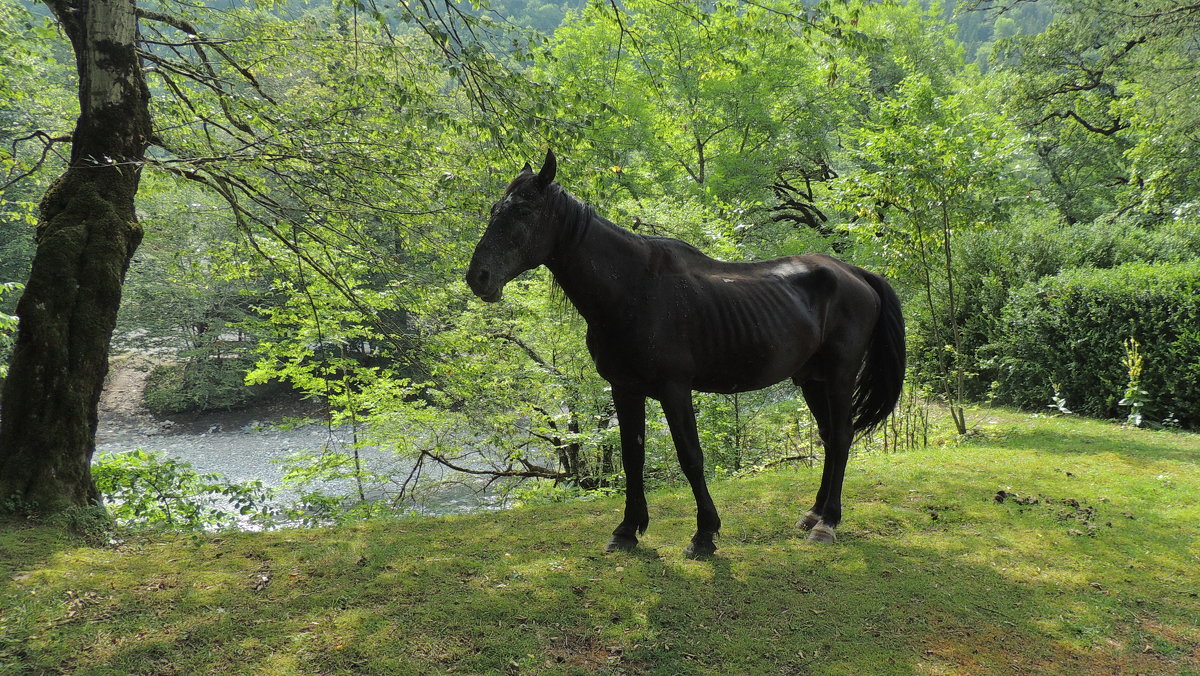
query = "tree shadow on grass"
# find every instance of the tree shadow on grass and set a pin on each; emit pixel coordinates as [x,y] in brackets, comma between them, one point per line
[979,590]
[27,546]
[23,541]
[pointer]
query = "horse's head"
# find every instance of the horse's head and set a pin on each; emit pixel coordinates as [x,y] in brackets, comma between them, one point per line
[519,235]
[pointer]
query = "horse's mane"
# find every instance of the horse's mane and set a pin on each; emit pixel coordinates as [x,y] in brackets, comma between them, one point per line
[577,218]
[575,215]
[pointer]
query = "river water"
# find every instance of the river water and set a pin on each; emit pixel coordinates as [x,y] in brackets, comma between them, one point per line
[250,445]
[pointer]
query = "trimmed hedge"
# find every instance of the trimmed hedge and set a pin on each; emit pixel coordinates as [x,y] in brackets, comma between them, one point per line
[992,264]
[1069,330]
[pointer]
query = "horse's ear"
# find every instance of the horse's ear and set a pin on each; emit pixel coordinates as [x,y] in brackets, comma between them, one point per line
[526,168]
[549,167]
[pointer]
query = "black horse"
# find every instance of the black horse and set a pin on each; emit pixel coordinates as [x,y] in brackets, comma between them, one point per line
[664,319]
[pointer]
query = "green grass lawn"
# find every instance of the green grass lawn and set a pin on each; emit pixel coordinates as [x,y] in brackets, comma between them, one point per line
[1090,564]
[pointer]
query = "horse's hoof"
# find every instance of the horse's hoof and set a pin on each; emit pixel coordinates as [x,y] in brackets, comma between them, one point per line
[822,533]
[810,519]
[620,544]
[700,548]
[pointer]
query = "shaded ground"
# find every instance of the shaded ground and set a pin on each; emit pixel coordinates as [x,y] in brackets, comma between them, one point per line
[935,572]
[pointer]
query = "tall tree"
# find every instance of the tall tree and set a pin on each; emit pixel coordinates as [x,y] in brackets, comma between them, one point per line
[929,169]
[87,233]
[238,141]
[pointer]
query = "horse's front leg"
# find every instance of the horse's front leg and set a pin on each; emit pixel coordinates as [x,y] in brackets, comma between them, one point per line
[631,416]
[681,417]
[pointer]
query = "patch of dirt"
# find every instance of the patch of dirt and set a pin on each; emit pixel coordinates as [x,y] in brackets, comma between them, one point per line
[576,652]
[1063,509]
[126,383]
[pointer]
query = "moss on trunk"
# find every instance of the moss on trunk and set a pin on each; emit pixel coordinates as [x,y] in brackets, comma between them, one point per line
[86,239]
[87,234]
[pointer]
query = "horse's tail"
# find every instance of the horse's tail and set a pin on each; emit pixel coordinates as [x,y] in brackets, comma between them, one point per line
[881,377]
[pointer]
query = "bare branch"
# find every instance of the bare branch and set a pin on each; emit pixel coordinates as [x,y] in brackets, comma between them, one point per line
[531,471]
[537,359]
[791,458]
[1115,127]
[48,143]
[197,42]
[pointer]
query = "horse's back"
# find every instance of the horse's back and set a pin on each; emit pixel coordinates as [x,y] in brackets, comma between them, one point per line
[725,326]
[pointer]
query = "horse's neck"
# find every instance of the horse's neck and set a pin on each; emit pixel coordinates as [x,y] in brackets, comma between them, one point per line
[596,270]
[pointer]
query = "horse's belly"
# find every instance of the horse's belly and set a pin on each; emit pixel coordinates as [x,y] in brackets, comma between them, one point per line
[621,362]
[709,353]
[748,367]
[741,369]
[644,363]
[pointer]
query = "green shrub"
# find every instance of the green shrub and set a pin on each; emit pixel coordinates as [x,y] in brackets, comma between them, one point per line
[991,264]
[149,488]
[8,327]
[198,385]
[1070,330]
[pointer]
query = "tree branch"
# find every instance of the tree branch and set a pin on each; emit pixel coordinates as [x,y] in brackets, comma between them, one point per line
[537,359]
[531,471]
[1062,115]
[197,42]
[48,142]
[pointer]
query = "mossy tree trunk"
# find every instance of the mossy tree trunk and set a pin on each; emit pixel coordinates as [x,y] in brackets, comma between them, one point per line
[87,234]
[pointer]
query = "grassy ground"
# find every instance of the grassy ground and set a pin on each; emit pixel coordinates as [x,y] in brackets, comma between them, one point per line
[1088,563]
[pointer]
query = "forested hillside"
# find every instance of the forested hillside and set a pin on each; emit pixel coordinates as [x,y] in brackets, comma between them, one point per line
[1026,173]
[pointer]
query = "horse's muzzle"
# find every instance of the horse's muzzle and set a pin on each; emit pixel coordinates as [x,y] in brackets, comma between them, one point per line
[481,281]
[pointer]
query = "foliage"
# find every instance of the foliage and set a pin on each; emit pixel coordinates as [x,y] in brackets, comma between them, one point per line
[217,383]
[8,324]
[147,488]
[321,172]
[983,553]
[1108,96]
[992,263]
[188,294]
[1069,329]
[33,95]
[929,168]
[540,15]
[529,391]
[980,31]
[36,101]
[729,106]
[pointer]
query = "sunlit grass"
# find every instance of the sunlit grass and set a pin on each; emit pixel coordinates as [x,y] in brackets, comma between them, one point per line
[1088,565]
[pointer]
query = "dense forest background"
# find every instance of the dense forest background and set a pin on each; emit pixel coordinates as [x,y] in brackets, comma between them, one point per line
[1027,173]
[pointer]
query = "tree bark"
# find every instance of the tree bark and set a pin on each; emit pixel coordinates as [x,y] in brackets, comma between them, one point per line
[86,236]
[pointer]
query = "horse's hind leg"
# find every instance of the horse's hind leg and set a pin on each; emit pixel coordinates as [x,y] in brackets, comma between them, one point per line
[631,416]
[814,395]
[830,406]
